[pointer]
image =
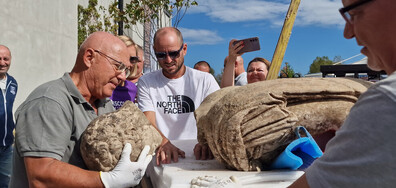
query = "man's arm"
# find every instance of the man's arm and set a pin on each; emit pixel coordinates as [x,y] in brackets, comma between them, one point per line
[167,150]
[49,172]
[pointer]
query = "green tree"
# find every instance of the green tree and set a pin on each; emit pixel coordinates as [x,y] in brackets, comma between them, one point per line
[149,10]
[287,72]
[98,18]
[212,71]
[218,76]
[315,66]
[337,59]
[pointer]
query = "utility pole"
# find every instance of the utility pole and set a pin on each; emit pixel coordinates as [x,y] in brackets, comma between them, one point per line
[283,40]
[121,23]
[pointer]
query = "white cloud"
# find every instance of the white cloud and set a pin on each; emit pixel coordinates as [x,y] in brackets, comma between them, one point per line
[311,12]
[320,12]
[200,36]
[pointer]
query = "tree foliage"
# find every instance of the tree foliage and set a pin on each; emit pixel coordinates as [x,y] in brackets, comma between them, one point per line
[147,10]
[288,72]
[98,18]
[219,76]
[324,60]
[337,59]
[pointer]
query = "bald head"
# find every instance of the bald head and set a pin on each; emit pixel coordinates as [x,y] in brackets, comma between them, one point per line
[168,31]
[5,60]
[2,47]
[103,42]
[239,61]
[97,71]
[239,67]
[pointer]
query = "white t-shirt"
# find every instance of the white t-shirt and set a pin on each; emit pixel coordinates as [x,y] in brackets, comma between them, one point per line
[362,154]
[175,100]
[3,83]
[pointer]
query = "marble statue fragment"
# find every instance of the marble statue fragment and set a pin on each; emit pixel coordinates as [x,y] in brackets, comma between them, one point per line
[103,140]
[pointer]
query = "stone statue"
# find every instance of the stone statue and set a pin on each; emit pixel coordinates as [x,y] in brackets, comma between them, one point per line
[247,127]
[103,140]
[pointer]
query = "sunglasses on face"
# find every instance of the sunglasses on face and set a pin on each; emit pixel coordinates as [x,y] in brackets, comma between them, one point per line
[172,54]
[134,59]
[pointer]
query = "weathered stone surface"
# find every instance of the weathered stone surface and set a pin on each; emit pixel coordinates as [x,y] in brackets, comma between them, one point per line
[105,137]
[249,126]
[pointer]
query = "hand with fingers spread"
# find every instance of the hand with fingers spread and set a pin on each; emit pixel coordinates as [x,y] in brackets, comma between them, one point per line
[202,152]
[127,173]
[167,151]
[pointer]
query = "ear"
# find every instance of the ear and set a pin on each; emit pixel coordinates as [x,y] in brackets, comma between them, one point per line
[184,49]
[89,57]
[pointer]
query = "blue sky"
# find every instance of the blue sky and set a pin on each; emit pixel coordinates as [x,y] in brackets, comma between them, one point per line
[318,31]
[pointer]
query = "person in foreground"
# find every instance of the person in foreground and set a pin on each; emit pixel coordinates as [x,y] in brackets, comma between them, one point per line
[168,97]
[50,122]
[362,153]
[9,88]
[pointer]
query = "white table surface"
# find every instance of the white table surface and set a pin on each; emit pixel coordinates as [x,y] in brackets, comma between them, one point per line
[180,174]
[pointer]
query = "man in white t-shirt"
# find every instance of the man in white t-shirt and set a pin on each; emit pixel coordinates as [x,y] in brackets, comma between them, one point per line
[169,97]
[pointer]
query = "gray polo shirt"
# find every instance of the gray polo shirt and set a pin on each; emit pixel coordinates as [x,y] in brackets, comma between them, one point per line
[50,123]
[241,79]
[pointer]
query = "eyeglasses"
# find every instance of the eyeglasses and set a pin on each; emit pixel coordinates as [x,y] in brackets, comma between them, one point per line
[121,66]
[172,55]
[344,11]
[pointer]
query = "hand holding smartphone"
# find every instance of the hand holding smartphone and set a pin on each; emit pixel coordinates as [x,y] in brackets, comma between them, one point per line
[250,44]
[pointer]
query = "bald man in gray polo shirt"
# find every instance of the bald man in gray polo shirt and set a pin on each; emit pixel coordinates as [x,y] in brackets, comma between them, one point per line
[53,117]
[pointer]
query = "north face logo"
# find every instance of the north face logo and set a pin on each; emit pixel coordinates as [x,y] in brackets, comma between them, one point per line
[177,104]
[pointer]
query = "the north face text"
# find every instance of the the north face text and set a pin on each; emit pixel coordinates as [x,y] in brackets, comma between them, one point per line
[177,104]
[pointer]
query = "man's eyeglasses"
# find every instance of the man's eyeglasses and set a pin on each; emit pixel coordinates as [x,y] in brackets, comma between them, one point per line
[172,54]
[344,11]
[121,66]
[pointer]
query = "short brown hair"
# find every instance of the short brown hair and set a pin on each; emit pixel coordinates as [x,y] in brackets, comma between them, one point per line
[260,59]
[202,63]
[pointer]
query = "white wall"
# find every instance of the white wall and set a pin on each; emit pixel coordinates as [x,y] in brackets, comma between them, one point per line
[42,37]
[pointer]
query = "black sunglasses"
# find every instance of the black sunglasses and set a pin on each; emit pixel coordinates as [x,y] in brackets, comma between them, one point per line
[134,59]
[172,54]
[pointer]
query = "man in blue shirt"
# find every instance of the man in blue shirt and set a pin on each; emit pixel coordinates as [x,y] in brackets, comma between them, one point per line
[8,92]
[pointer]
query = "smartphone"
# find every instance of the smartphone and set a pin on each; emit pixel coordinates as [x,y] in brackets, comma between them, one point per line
[251,44]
